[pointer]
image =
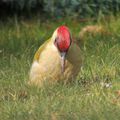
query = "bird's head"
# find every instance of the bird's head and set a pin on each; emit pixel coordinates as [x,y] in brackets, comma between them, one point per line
[62,40]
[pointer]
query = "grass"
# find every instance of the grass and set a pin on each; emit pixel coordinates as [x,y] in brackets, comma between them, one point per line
[86,99]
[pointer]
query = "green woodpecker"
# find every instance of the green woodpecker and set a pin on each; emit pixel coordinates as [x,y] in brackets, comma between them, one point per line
[58,59]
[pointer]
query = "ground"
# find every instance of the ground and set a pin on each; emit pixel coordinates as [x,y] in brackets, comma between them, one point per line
[93,96]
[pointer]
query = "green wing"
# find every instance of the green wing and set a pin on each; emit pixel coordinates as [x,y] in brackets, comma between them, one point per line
[41,48]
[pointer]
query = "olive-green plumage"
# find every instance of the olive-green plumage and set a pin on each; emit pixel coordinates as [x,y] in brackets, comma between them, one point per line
[46,65]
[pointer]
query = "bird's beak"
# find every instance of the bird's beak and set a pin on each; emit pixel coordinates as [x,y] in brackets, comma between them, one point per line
[63,55]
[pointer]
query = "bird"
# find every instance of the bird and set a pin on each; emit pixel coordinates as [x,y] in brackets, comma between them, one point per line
[58,59]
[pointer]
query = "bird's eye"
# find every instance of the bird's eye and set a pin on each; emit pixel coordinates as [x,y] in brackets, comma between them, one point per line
[56,40]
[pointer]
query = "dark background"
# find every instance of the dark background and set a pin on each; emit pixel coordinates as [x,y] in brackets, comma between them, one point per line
[59,8]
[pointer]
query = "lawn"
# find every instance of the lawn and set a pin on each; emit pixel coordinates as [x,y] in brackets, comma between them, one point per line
[92,96]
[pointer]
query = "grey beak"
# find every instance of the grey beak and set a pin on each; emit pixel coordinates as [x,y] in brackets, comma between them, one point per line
[63,55]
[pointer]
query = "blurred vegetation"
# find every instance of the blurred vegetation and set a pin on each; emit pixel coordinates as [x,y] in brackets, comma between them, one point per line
[60,8]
